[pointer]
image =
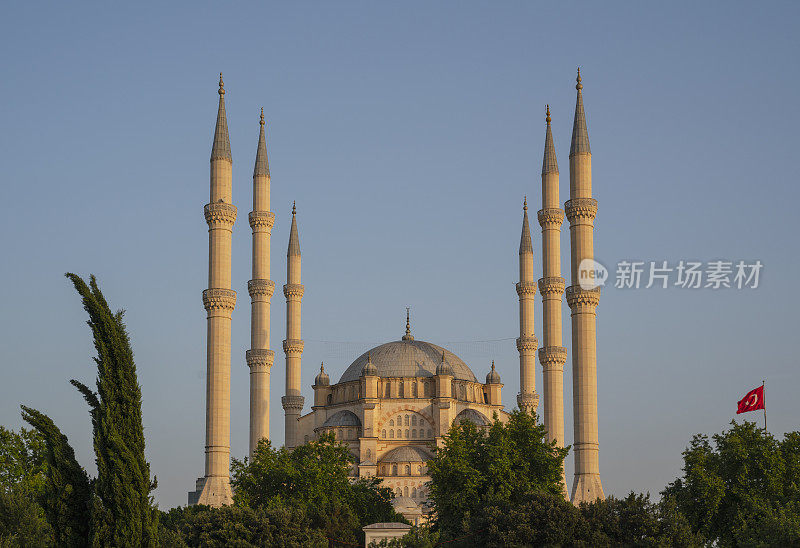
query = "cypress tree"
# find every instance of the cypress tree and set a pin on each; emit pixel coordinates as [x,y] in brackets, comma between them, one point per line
[123,513]
[116,508]
[67,490]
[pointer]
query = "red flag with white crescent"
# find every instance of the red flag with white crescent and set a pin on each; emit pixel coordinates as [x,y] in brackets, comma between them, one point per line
[752,401]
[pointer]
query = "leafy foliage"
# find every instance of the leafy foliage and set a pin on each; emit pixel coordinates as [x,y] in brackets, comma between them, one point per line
[475,468]
[22,483]
[239,526]
[116,507]
[67,493]
[745,489]
[314,478]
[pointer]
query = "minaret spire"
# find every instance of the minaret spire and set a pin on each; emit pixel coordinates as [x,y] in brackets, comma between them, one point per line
[221,149]
[527,399]
[581,210]
[260,358]
[219,301]
[293,345]
[552,355]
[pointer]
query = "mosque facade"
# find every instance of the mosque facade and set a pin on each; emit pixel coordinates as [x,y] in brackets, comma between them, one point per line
[394,403]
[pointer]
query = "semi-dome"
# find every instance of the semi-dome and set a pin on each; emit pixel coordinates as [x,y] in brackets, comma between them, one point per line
[342,418]
[408,358]
[407,453]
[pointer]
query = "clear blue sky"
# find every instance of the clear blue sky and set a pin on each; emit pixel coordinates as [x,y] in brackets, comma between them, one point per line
[408,134]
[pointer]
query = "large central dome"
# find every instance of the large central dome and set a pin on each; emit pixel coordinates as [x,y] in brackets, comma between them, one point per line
[408,358]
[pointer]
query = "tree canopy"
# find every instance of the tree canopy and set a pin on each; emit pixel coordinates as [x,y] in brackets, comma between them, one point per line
[476,467]
[742,490]
[313,477]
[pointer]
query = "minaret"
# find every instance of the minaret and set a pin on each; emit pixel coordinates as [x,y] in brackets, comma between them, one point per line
[293,345]
[527,399]
[219,301]
[260,358]
[552,355]
[581,210]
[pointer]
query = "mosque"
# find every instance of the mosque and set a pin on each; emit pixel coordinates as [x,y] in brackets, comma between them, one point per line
[395,402]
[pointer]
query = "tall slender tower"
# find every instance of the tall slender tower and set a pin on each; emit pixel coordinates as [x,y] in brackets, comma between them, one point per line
[293,345]
[581,210]
[527,399]
[219,301]
[552,355]
[260,358]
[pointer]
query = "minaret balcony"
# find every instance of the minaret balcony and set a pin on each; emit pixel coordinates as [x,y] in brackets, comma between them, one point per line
[550,217]
[261,219]
[220,213]
[580,209]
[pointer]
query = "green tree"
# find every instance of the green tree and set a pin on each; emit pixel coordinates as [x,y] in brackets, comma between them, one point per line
[313,477]
[121,510]
[475,468]
[23,464]
[67,493]
[744,489]
[239,526]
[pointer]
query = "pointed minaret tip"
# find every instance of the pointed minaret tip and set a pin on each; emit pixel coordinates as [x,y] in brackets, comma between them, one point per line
[580,134]
[221,149]
[525,245]
[549,161]
[294,238]
[262,162]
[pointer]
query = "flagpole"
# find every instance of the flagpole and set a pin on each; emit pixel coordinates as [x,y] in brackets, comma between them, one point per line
[764,396]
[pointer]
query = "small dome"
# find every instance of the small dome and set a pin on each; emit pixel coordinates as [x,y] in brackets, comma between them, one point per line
[404,503]
[369,368]
[407,453]
[342,418]
[444,368]
[493,377]
[322,379]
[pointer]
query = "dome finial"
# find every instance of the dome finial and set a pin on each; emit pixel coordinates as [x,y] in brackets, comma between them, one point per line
[262,116]
[322,367]
[547,116]
[492,365]
[579,86]
[221,90]
[408,336]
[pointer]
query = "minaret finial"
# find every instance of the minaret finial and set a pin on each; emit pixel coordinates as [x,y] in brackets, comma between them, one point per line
[547,116]
[221,90]
[525,203]
[578,86]
[294,207]
[262,116]
[408,336]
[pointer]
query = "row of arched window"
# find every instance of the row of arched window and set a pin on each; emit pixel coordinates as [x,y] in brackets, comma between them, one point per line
[413,493]
[408,434]
[395,469]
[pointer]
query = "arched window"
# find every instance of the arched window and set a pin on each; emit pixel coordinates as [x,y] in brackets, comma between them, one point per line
[414,493]
[402,390]
[399,492]
[391,422]
[405,490]
[430,433]
[426,389]
[388,389]
[413,432]
[408,469]
[406,433]
[391,433]
[413,420]
[383,434]
[406,420]
[414,389]
[394,469]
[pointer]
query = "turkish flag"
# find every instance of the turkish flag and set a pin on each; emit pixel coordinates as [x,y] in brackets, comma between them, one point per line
[752,401]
